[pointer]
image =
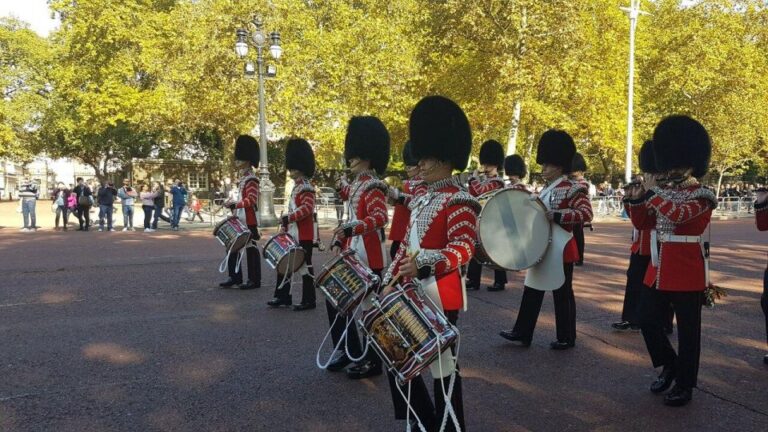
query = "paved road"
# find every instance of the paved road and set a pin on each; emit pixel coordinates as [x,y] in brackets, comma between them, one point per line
[128,332]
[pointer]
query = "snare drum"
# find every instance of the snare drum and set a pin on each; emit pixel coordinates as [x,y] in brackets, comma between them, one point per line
[513,230]
[407,331]
[283,253]
[346,281]
[232,233]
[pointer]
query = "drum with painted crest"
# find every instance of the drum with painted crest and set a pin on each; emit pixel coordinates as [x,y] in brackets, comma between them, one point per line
[407,331]
[232,233]
[283,253]
[513,230]
[346,281]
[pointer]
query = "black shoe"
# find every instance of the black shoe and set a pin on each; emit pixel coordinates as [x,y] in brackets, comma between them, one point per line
[678,396]
[249,285]
[366,369]
[277,302]
[621,325]
[471,286]
[339,363]
[496,287]
[304,306]
[578,263]
[514,336]
[664,380]
[559,345]
[229,283]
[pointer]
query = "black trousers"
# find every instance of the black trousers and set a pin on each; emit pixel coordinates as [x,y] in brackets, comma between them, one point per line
[393,249]
[565,310]
[638,264]
[764,301]
[283,289]
[253,258]
[475,271]
[83,214]
[654,310]
[578,234]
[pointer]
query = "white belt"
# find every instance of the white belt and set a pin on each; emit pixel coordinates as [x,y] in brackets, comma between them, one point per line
[673,238]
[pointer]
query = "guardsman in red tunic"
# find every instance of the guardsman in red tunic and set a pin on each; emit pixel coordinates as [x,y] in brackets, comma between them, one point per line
[491,162]
[440,240]
[246,158]
[300,223]
[640,255]
[568,205]
[578,168]
[413,186]
[366,150]
[761,217]
[679,208]
[515,170]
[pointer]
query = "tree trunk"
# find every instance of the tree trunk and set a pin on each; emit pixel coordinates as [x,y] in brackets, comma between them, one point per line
[514,128]
[529,155]
[721,174]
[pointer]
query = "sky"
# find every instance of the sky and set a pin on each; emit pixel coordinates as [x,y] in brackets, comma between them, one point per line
[34,12]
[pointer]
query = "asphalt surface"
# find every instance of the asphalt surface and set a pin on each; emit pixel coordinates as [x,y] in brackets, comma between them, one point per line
[129,332]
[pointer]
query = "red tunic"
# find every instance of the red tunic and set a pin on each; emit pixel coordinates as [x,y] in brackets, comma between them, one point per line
[367,217]
[446,226]
[641,237]
[303,199]
[479,187]
[683,210]
[402,215]
[570,203]
[249,198]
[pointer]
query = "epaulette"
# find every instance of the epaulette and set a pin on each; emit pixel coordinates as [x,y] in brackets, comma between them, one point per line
[464,198]
[576,187]
[706,193]
[376,184]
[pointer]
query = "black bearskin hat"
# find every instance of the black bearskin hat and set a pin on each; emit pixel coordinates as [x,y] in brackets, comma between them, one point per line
[514,165]
[439,129]
[247,149]
[578,163]
[299,156]
[367,139]
[681,142]
[646,158]
[492,153]
[556,147]
[408,158]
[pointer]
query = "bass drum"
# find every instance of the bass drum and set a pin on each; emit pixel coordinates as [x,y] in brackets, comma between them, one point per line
[513,230]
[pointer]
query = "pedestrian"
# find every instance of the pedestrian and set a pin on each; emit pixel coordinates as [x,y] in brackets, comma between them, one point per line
[761,217]
[178,202]
[339,203]
[106,197]
[62,202]
[159,201]
[194,207]
[148,205]
[28,194]
[127,196]
[84,195]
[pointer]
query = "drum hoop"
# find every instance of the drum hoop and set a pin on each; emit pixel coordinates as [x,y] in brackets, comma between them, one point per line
[549,230]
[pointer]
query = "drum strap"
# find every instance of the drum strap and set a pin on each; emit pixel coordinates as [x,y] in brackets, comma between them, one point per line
[223,265]
[343,339]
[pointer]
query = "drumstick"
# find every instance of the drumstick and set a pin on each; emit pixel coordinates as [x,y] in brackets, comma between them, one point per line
[396,278]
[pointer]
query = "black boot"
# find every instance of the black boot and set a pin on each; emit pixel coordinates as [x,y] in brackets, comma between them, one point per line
[664,380]
[280,301]
[456,402]
[678,396]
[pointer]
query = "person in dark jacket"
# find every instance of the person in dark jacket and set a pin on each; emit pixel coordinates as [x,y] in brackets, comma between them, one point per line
[84,203]
[106,197]
[159,204]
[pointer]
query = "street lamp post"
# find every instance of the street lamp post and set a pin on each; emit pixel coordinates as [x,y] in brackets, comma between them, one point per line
[633,11]
[259,40]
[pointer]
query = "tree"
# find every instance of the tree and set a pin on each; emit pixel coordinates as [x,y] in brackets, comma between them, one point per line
[24,72]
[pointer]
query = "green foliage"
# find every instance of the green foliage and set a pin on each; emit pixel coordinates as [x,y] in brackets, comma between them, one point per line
[133,78]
